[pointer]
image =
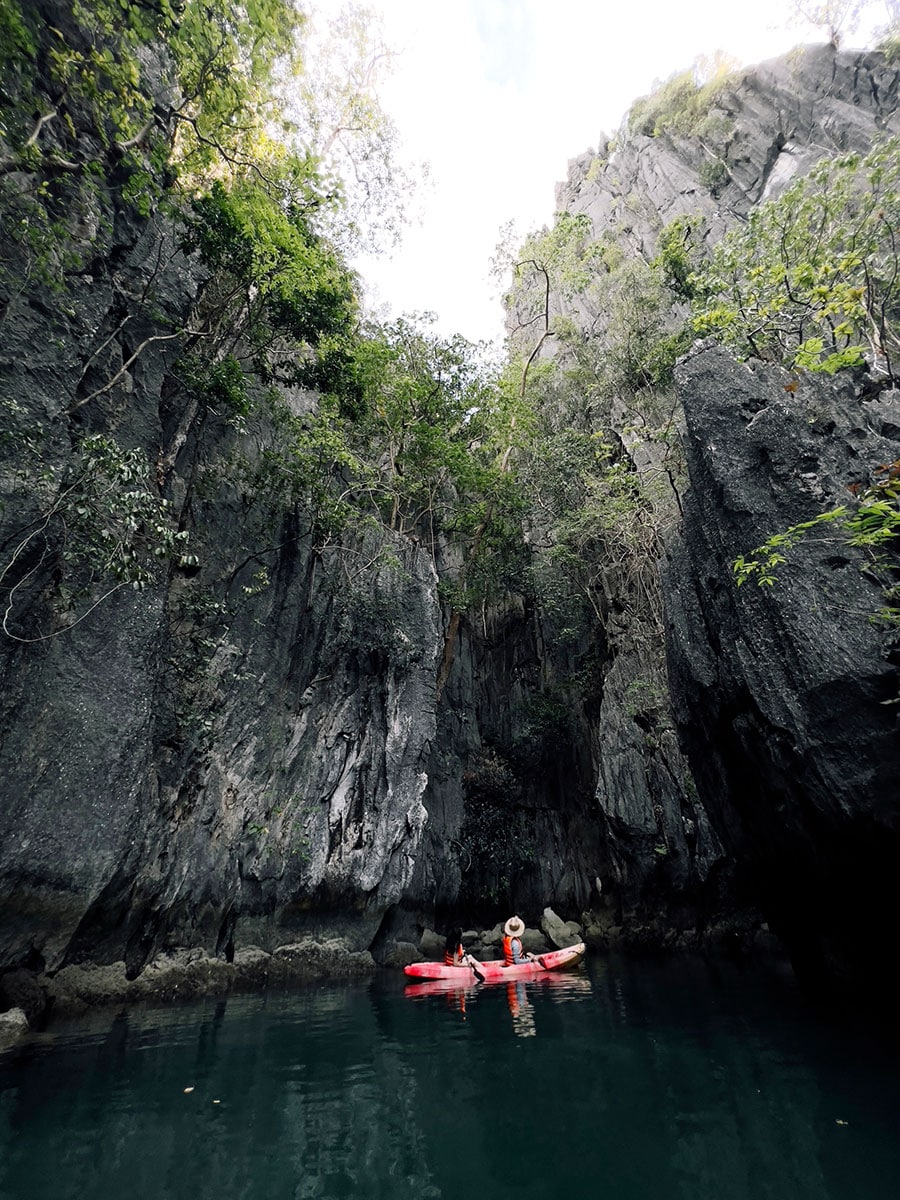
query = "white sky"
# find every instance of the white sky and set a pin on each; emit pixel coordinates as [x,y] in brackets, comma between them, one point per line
[497,95]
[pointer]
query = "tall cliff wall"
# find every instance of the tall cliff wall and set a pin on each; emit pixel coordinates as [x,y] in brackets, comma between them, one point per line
[252,747]
[787,695]
[784,768]
[248,748]
[202,752]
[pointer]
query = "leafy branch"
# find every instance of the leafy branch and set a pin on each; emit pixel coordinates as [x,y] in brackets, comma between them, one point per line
[873,525]
[812,280]
[104,524]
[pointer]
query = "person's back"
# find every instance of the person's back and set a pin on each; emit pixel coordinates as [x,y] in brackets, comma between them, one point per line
[513,950]
[454,954]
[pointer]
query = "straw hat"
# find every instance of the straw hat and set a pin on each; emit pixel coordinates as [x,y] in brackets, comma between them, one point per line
[514,927]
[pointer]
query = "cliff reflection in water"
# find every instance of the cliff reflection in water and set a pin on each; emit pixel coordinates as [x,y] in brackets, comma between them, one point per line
[650,1079]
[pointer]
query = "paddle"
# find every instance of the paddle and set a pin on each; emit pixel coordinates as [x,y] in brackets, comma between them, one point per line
[476,968]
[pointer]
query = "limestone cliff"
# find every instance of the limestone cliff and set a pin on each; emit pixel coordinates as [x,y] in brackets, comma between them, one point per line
[788,696]
[756,683]
[760,128]
[252,747]
[247,748]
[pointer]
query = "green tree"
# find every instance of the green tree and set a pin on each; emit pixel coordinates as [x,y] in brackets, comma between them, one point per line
[813,279]
[111,102]
[430,400]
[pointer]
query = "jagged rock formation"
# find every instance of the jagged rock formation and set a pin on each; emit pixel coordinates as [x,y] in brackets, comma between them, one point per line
[742,823]
[216,762]
[209,760]
[765,125]
[788,695]
[180,763]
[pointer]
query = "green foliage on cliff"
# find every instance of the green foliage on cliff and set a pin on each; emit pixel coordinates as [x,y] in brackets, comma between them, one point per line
[158,101]
[765,559]
[429,425]
[278,284]
[415,445]
[813,279]
[199,77]
[872,523]
[593,528]
[132,109]
[631,325]
[101,527]
[144,103]
[684,103]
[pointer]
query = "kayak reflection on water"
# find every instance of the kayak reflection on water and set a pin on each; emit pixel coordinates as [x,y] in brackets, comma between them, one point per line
[572,986]
[520,1009]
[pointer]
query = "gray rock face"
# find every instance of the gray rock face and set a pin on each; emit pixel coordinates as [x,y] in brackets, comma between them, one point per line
[766,125]
[523,783]
[788,694]
[260,775]
[670,862]
[123,833]
[13,1025]
[560,933]
[209,762]
[431,945]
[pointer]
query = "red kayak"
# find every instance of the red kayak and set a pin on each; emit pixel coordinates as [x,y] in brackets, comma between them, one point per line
[551,981]
[498,972]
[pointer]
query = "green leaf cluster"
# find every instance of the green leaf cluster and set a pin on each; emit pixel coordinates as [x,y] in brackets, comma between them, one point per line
[278,285]
[682,104]
[103,527]
[114,525]
[632,325]
[873,524]
[812,280]
[762,562]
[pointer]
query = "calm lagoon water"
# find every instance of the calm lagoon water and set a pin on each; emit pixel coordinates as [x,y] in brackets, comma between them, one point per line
[631,1080]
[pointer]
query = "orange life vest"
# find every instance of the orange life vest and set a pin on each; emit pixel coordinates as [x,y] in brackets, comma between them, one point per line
[508,953]
[454,960]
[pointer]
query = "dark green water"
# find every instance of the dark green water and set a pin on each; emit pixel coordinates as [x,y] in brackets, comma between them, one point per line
[634,1081]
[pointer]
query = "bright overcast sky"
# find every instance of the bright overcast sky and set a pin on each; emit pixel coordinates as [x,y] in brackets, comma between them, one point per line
[497,95]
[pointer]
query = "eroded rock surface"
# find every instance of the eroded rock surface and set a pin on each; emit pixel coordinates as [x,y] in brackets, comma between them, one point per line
[788,695]
[253,770]
[767,125]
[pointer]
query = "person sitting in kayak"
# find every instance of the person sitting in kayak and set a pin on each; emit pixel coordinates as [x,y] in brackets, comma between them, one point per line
[454,954]
[513,950]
